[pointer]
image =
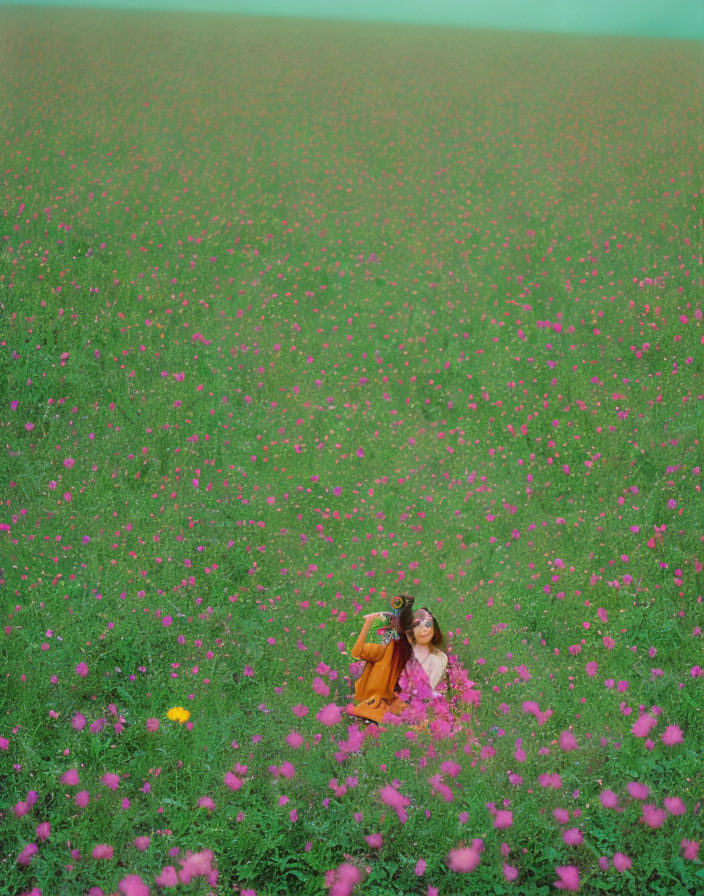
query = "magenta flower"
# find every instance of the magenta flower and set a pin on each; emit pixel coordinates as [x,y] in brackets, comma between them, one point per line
[102,851]
[167,878]
[82,670]
[464,859]
[503,819]
[133,885]
[674,805]
[621,862]
[110,780]
[330,714]
[70,777]
[572,836]
[568,878]
[27,854]
[652,816]
[638,791]
[152,724]
[672,735]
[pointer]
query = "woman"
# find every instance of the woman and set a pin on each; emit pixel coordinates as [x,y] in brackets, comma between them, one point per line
[411,663]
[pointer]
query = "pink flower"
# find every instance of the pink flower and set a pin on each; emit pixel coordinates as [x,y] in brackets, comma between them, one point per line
[43,830]
[419,870]
[197,864]
[27,854]
[82,799]
[78,722]
[621,861]
[591,668]
[330,714]
[102,851]
[638,791]
[691,849]
[294,739]
[82,670]
[152,724]
[110,780]
[643,725]
[569,878]
[510,873]
[652,816]
[503,819]
[320,687]
[672,735]
[568,741]
[232,781]
[561,816]
[142,843]
[343,879]
[300,710]
[674,805]
[167,878]
[133,885]
[572,836]
[376,841]
[464,859]
[70,777]
[206,802]
[608,798]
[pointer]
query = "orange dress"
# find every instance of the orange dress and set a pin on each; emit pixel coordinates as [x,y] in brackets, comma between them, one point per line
[374,690]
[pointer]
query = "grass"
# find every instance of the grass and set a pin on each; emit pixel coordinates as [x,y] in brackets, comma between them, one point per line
[295,314]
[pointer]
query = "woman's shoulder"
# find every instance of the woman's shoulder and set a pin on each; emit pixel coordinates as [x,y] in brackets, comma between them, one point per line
[441,657]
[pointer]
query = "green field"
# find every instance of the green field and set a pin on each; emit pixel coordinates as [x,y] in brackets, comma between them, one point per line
[295,313]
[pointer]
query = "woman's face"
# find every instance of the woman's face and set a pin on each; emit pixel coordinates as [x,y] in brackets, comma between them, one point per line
[423,627]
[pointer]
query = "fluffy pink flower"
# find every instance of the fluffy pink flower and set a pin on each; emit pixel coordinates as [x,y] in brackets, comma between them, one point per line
[376,841]
[27,854]
[503,819]
[568,878]
[652,816]
[78,722]
[43,830]
[110,780]
[621,861]
[343,879]
[133,885]
[152,724]
[643,725]
[419,870]
[82,670]
[672,735]
[691,849]
[142,843]
[330,714]
[591,669]
[464,859]
[674,805]
[572,836]
[167,878]
[197,864]
[568,741]
[232,781]
[300,710]
[70,777]
[294,740]
[82,798]
[561,816]
[206,802]
[638,791]
[510,873]
[102,851]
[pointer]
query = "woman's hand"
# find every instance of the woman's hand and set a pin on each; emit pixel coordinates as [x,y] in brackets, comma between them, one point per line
[371,616]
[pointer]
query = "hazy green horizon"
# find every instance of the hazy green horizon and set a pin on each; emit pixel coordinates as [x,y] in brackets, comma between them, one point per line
[682,19]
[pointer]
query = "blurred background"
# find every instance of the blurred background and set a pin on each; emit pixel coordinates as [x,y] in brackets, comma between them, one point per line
[682,19]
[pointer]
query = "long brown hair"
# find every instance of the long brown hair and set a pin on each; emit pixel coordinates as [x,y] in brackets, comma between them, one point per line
[402,624]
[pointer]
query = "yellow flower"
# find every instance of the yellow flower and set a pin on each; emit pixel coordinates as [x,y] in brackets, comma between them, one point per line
[178,714]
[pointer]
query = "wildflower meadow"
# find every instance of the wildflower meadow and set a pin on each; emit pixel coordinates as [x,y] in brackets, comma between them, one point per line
[297,316]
